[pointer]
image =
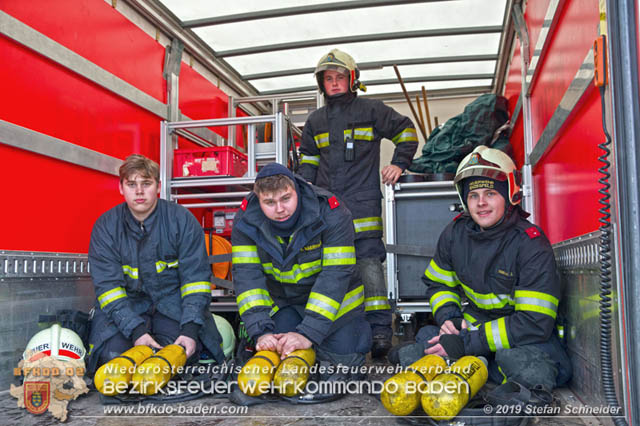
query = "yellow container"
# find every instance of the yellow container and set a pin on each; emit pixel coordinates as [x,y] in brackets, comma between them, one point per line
[255,377]
[158,369]
[293,373]
[449,392]
[113,377]
[401,393]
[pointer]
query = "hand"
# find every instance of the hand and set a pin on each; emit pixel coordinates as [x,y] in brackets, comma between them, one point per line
[391,174]
[267,342]
[436,349]
[187,343]
[147,340]
[449,328]
[289,342]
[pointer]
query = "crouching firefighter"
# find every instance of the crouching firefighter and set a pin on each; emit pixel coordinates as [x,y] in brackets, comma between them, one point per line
[151,274]
[505,267]
[295,276]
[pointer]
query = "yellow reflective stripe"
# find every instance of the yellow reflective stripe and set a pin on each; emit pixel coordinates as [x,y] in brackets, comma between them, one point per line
[442,297]
[496,332]
[487,300]
[338,256]
[472,322]
[351,300]
[535,301]
[244,254]
[295,274]
[504,376]
[314,160]
[111,296]
[252,298]
[323,305]
[322,140]
[560,331]
[439,275]
[407,135]
[196,287]
[161,265]
[130,271]
[279,238]
[368,224]
[361,133]
[377,303]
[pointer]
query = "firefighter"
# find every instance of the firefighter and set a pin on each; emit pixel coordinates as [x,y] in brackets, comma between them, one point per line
[505,267]
[151,273]
[341,152]
[294,272]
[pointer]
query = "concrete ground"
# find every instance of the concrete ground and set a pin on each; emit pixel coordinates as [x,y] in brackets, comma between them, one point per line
[363,409]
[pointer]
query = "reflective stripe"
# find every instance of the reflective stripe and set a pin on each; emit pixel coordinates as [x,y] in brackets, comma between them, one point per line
[504,376]
[111,296]
[162,265]
[314,160]
[130,271]
[488,300]
[338,256]
[323,305]
[496,332]
[407,135]
[368,224]
[295,274]
[472,323]
[439,275]
[322,140]
[560,331]
[361,133]
[442,297]
[253,298]
[351,300]
[535,301]
[376,303]
[197,287]
[244,254]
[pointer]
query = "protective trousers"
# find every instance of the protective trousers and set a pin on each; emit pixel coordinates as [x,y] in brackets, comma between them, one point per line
[376,303]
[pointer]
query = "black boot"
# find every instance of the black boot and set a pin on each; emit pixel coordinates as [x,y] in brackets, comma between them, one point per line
[381,345]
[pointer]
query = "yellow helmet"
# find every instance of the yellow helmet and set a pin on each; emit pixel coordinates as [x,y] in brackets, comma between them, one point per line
[228,336]
[338,60]
[491,163]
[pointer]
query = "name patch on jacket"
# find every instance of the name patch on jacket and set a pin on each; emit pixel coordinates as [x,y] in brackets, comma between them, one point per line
[505,273]
[311,247]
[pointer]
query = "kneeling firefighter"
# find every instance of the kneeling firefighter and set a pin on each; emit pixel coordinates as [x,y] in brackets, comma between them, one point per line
[295,276]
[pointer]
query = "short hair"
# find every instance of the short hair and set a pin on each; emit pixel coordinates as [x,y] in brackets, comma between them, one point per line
[271,184]
[136,163]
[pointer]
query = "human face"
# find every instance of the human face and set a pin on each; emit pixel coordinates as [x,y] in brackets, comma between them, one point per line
[141,195]
[279,206]
[486,206]
[335,82]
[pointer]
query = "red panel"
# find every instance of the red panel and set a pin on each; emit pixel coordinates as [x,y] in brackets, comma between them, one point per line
[100,34]
[513,87]
[573,37]
[534,16]
[566,180]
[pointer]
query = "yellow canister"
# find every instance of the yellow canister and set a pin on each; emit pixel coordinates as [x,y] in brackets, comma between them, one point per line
[113,378]
[292,375]
[157,370]
[255,377]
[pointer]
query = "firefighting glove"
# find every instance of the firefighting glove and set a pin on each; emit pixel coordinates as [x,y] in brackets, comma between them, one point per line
[453,345]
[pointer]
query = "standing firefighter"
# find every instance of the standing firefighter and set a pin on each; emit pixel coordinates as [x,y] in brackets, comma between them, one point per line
[151,274]
[505,267]
[341,152]
[294,272]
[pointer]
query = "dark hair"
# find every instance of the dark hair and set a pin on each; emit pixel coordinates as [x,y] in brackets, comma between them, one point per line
[136,163]
[271,184]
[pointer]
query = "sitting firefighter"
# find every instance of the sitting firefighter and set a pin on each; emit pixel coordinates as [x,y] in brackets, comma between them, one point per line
[294,272]
[505,267]
[151,273]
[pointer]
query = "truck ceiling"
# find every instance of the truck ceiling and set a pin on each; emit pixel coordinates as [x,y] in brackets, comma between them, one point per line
[448,46]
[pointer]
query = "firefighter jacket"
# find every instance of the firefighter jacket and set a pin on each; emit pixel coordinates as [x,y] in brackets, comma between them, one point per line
[356,182]
[316,273]
[508,275]
[158,264]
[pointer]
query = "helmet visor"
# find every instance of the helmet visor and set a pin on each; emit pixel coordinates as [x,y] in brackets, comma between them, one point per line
[333,67]
[478,171]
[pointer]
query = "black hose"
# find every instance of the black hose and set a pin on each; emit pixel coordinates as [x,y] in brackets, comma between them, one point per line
[608,384]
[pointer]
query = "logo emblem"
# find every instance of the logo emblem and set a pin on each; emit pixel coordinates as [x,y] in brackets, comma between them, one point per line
[473,160]
[37,396]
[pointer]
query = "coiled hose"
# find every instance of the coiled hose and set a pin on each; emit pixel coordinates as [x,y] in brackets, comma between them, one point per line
[608,385]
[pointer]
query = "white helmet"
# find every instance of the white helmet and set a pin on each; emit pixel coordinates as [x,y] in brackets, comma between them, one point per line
[227,334]
[55,341]
[338,60]
[491,163]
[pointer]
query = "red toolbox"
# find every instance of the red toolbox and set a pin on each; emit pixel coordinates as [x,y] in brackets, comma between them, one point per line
[214,161]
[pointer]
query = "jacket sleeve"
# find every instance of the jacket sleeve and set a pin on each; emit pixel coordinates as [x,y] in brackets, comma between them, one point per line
[401,131]
[194,271]
[108,278]
[443,285]
[250,285]
[537,294]
[328,299]
[310,155]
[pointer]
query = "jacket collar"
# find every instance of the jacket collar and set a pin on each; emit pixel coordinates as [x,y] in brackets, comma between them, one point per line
[134,225]
[512,217]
